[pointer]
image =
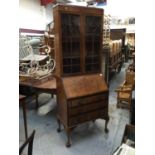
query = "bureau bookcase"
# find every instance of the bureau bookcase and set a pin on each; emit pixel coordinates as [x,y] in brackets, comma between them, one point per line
[82,94]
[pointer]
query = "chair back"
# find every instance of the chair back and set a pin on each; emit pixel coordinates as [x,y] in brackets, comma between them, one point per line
[130,78]
[28,142]
[24,48]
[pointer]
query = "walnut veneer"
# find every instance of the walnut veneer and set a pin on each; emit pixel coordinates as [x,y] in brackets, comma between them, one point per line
[81,99]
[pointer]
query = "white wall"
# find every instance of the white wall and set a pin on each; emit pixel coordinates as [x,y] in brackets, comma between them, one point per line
[49,13]
[121,8]
[32,15]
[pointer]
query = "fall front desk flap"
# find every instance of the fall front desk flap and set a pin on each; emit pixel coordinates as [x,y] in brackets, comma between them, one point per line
[78,86]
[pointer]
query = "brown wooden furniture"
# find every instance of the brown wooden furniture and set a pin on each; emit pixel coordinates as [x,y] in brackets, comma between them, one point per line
[132,65]
[50,41]
[129,79]
[29,92]
[130,39]
[128,141]
[46,85]
[28,142]
[82,94]
[105,63]
[124,92]
[116,59]
[81,99]
[78,39]
[132,112]
[22,102]
[129,133]
[116,34]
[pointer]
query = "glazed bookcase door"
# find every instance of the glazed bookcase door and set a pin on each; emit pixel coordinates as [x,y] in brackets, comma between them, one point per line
[78,39]
[93,31]
[70,24]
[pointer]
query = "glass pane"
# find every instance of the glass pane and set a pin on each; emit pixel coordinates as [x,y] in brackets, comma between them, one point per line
[93,25]
[93,43]
[70,43]
[70,24]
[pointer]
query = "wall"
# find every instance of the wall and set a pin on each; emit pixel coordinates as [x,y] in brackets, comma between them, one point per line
[32,15]
[120,8]
[49,13]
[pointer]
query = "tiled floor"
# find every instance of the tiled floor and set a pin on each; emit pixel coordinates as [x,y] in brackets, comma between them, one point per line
[87,139]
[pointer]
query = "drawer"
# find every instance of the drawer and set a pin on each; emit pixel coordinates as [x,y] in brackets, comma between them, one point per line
[87,100]
[88,107]
[88,116]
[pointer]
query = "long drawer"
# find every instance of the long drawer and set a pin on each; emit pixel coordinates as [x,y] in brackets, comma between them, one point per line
[88,107]
[88,116]
[88,100]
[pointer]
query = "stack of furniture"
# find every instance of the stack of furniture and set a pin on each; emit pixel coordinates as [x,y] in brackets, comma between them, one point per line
[106,47]
[82,94]
[116,54]
[130,39]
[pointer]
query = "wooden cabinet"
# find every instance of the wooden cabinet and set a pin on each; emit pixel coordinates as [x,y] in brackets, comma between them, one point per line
[80,99]
[82,94]
[78,39]
[116,54]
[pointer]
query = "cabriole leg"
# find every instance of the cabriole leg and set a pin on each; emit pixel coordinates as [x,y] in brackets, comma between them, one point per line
[106,124]
[68,144]
[59,125]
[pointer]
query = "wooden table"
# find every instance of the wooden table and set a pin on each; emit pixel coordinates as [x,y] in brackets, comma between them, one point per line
[47,85]
[22,102]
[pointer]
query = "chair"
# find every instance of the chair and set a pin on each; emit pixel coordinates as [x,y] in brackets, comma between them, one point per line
[124,92]
[34,64]
[28,142]
[129,79]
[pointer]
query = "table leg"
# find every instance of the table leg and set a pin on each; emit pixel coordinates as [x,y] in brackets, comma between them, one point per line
[25,119]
